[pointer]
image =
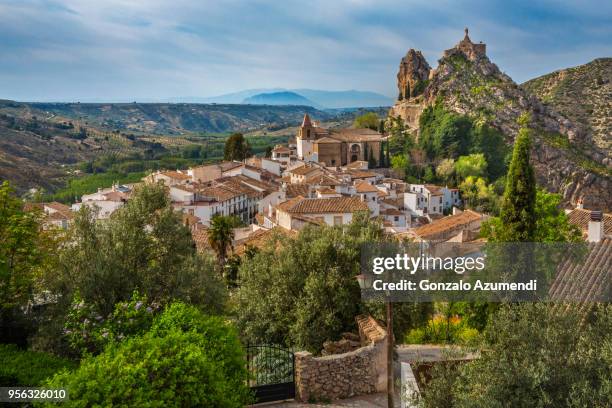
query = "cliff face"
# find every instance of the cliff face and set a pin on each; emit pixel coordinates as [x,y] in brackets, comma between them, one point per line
[413,74]
[565,159]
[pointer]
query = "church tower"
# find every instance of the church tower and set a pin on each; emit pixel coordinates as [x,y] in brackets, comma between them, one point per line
[305,138]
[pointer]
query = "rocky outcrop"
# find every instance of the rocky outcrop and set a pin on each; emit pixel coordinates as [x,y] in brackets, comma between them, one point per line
[413,74]
[564,156]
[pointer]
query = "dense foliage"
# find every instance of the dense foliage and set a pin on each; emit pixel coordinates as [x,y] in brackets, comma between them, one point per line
[185,359]
[143,247]
[536,356]
[28,368]
[236,148]
[368,120]
[296,284]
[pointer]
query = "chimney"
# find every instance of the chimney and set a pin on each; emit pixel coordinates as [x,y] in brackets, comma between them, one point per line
[580,204]
[596,227]
[456,210]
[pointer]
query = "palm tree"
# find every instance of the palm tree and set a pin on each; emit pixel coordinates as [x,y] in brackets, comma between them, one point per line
[220,236]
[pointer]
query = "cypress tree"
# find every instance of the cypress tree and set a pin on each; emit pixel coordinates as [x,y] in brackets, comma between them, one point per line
[365,153]
[381,155]
[518,216]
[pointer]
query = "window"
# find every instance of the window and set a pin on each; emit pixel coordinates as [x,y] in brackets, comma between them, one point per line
[337,220]
[396,218]
[373,198]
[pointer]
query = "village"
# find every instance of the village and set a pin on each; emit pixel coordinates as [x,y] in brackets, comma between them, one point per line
[323,178]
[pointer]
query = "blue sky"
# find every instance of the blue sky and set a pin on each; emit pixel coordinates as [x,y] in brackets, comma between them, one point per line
[116,50]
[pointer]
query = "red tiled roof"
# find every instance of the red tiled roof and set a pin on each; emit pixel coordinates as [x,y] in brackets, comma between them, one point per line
[301,205]
[580,218]
[587,280]
[365,187]
[448,223]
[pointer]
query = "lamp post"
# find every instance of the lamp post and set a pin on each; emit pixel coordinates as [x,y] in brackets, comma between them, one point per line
[365,282]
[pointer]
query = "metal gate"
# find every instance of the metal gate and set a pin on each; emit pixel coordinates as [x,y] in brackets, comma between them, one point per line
[271,370]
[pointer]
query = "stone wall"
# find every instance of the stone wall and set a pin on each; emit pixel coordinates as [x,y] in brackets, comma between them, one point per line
[344,375]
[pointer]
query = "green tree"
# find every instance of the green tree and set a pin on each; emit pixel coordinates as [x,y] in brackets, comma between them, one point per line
[552,224]
[368,120]
[518,216]
[477,194]
[535,357]
[19,249]
[186,359]
[143,247]
[221,236]
[295,284]
[491,143]
[445,170]
[474,165]
[236,148]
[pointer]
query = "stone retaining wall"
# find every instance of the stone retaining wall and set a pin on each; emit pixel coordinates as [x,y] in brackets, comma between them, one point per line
[337,376]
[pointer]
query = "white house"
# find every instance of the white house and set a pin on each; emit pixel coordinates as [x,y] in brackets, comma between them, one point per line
[293,214]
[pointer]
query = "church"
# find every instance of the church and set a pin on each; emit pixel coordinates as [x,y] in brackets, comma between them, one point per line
[337,147]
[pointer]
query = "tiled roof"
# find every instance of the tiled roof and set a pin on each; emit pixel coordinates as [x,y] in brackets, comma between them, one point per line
[58,207]
[581,218]
[304,170]
[395,202]
[260,238]
[365,187]
[326,190]
[357,164]
[435,190]
[220,193]
[115,196]
[361,173]
[301,205]
[322,180]
[294,190]
[391,211]
[281,149]
[448,223]
[587,280]
[356,135]
[327,140]
[200,238]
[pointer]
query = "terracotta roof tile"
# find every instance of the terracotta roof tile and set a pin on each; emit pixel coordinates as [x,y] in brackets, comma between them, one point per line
[365,187]
[301,205]
[585,281]
[448,223]
[581,218]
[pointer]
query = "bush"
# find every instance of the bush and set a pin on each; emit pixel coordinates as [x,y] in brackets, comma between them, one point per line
[186,359]
[28,368]
[442,330]
[89,332]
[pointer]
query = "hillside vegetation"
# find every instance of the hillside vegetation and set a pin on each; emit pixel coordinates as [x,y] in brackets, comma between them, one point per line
[583,94]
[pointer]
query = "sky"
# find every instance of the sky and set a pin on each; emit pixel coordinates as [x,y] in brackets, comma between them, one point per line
[142,50]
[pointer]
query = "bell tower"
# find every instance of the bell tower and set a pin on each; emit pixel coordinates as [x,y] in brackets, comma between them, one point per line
[304,139]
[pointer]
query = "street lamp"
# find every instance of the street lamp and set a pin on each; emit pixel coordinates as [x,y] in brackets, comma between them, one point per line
[365,283]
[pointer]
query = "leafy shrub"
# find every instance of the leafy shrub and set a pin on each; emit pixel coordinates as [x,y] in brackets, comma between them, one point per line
[89,332]
[442,330]
[28,368]
[186,359]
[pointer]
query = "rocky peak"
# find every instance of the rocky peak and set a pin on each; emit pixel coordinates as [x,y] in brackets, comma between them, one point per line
[468,83]
[412,75]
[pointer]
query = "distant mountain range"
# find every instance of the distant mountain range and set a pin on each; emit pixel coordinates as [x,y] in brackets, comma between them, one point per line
[313,97]
[279,98]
